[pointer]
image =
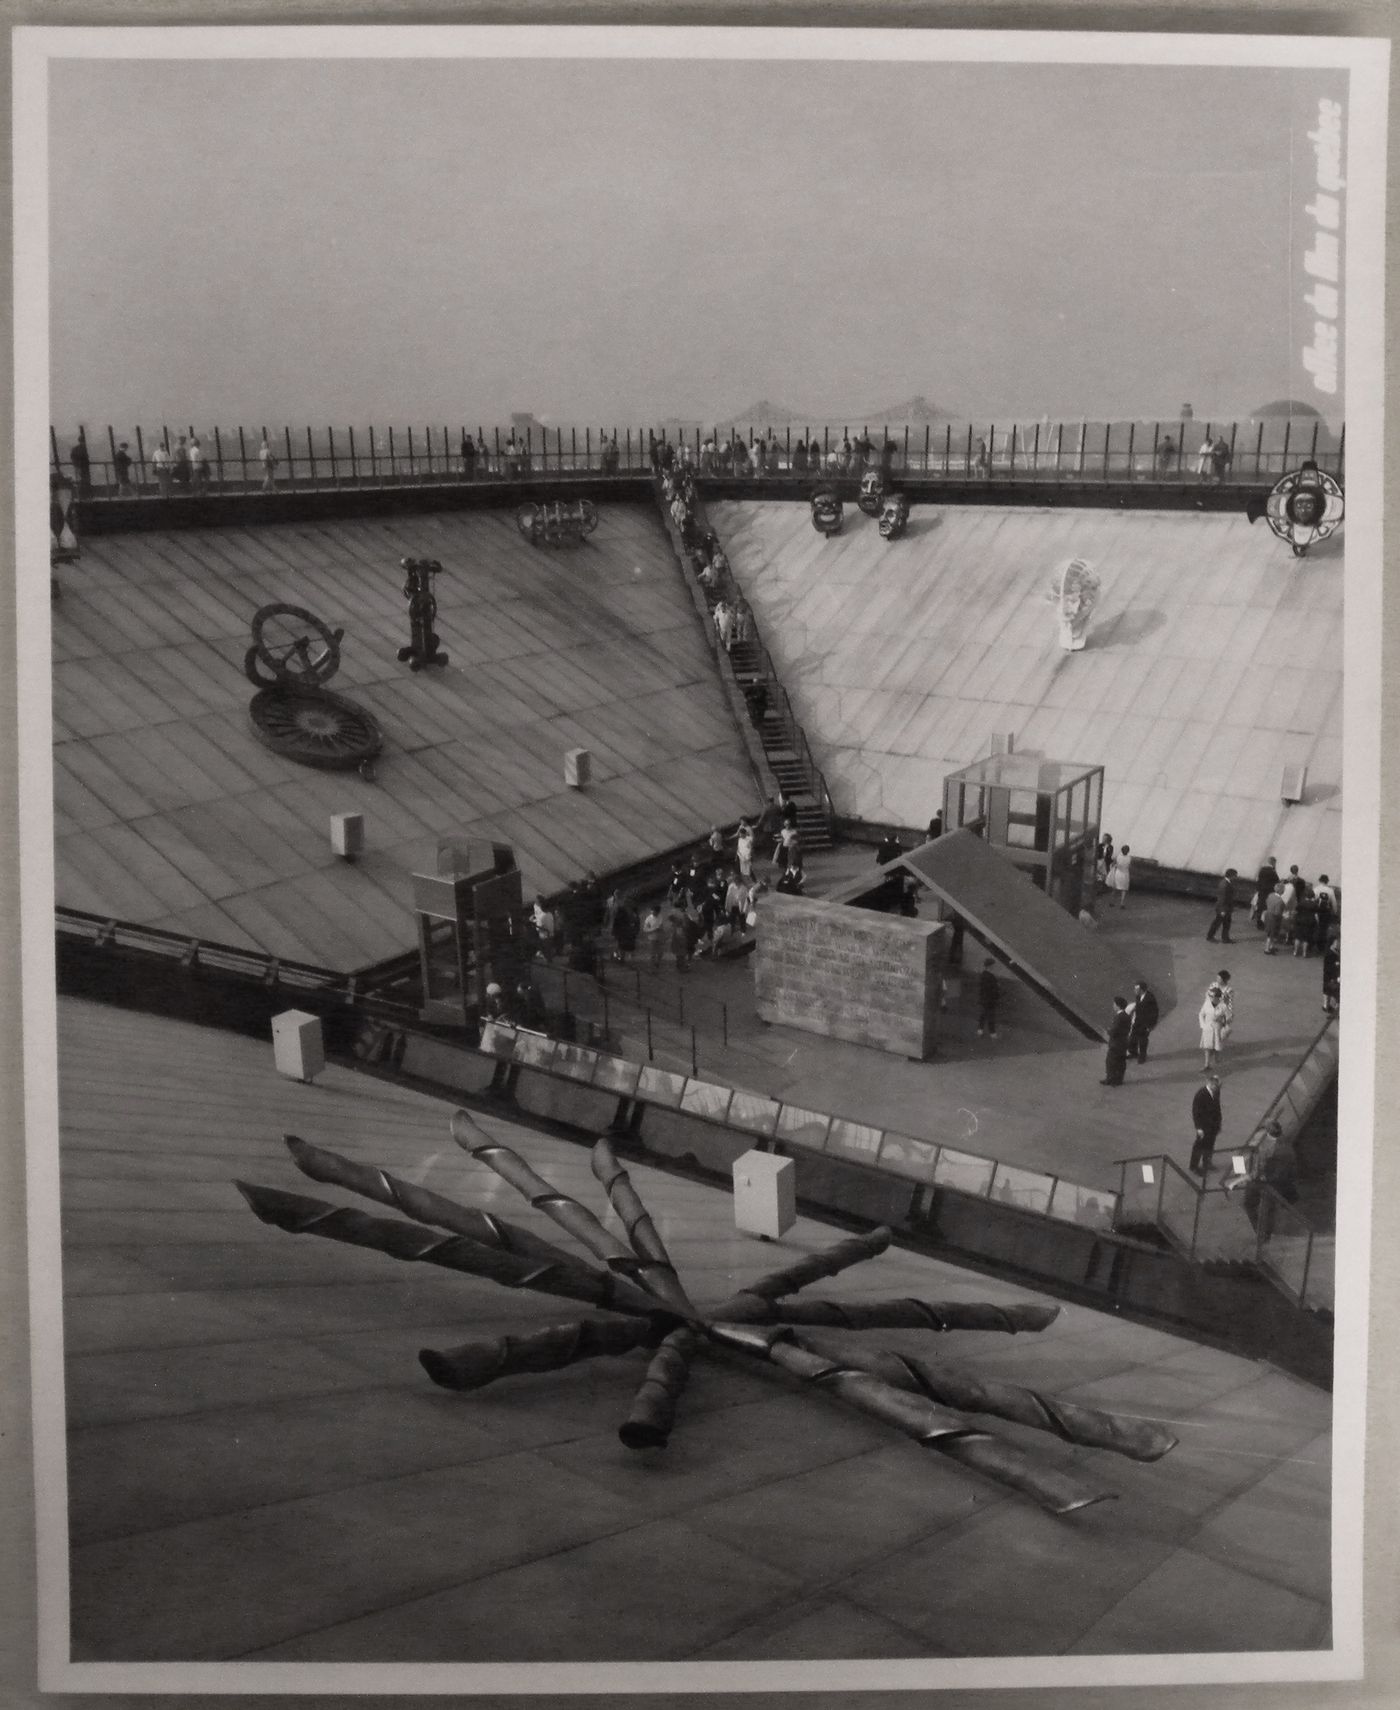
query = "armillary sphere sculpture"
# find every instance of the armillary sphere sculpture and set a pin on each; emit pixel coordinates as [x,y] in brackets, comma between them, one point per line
[827,511]
[556,522]
[293,656]
[894,515]
[872,492]
[1306,506]
[424,647]
[648,1308]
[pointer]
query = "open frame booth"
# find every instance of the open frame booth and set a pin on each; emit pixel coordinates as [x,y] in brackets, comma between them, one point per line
[1042,814]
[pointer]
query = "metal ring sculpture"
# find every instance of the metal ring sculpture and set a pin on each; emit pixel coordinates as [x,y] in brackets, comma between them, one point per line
[894,515]
[1306,506]
[293,656]
[827,511]
[555,522]
[872,492]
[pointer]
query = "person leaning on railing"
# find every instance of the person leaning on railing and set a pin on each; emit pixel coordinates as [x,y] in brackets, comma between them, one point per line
[1270,1161]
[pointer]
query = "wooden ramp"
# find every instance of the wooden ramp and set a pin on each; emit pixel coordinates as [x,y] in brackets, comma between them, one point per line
[1070,967]
[1214,662]
[169,812]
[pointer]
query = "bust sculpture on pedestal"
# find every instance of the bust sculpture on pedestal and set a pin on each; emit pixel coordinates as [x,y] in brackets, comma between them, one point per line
[1074,592]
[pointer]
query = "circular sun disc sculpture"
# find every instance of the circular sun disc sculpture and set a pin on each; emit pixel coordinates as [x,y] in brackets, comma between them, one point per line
[1074,592]
[1306,506]
[293,656]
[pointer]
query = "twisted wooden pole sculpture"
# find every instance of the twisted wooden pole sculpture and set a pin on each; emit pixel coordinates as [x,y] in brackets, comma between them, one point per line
[643,1304]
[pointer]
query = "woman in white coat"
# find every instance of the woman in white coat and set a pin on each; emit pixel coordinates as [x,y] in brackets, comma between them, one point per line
[1120,875]
[1215,1025]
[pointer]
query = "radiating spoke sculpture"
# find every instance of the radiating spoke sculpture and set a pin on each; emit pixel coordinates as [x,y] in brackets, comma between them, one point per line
[648,1307]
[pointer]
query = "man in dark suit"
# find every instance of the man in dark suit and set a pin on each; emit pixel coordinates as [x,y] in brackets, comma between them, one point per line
[1264,888]
[1145,1015]
[1118,1030]
[1206,1118]
[1224,908]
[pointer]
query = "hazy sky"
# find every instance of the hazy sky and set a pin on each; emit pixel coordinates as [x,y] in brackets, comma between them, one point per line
[437,241]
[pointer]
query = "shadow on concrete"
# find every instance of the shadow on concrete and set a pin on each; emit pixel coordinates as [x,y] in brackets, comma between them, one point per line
[1128,628]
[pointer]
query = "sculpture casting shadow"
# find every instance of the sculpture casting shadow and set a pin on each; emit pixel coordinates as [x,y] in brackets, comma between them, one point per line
[1127,629]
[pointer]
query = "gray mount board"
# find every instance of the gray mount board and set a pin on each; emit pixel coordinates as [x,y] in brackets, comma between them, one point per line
[1069,965]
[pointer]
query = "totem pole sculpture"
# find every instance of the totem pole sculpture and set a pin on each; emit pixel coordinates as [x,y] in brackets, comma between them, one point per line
[423,647]
[637,1284]
[1074,592]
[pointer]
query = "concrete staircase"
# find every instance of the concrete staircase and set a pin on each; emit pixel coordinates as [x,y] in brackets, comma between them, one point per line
[787,755]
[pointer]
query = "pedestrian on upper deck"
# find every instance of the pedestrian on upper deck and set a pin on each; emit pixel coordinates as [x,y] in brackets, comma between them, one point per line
[1224,907]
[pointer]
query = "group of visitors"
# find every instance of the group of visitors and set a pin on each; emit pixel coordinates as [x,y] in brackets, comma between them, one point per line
[1292,914]
[1113,872]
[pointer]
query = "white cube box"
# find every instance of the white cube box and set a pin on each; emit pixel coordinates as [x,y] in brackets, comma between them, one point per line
[298,1047]
[765,1194]
[578,768]
[347,835]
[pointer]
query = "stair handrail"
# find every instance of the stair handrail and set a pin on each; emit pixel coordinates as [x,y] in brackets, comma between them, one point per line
[792,728]
[1276,1103]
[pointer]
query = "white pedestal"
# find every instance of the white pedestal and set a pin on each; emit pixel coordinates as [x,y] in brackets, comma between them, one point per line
[578,768]
[347,835]
[765,1194]
[298,1048]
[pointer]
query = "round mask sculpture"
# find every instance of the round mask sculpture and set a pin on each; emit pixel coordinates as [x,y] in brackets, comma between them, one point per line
[1074,592]
[894,515]
[293,656]
[828,512]
[1306,506]
[872,492]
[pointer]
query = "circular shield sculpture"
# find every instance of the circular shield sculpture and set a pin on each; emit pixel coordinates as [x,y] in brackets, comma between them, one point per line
[894,515]
[828,512]
[1306,506]
[872,492]
[1074,592]
[293,656]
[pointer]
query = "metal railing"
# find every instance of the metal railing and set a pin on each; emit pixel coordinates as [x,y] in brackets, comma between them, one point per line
[1208,1225]
[918,1160]
[328,459]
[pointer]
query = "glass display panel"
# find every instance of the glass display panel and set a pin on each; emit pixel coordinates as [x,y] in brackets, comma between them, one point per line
[855,1139]
[660,1086]
[904,1156]
[498,1040]
[1028,1189]
[964,1171]
[575,1061]
[616,1074]
[1091,1208]
[536,1049]
[802,1127]
[700,1098]
[754,1112]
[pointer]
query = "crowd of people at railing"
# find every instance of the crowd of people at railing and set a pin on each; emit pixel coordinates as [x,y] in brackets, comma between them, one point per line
[190,463]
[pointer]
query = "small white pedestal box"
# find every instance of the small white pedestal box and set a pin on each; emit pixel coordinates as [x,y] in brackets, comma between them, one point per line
[765,1194]
[348,835]
[298,1049]
[578,768]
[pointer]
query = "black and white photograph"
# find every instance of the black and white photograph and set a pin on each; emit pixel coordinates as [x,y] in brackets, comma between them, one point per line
[699,728]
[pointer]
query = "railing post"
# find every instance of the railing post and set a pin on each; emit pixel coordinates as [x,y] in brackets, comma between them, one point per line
[1161,1189]
[1307,1268]
[112,450]
[1132,468]
[1196,1221]
[1107,435]
[330,445]
[311,454]
[242,458]
[651,1053]
[1259,445]
[219,455]
[694,1055]
[724,1023]
[1287,436]
[141,454]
